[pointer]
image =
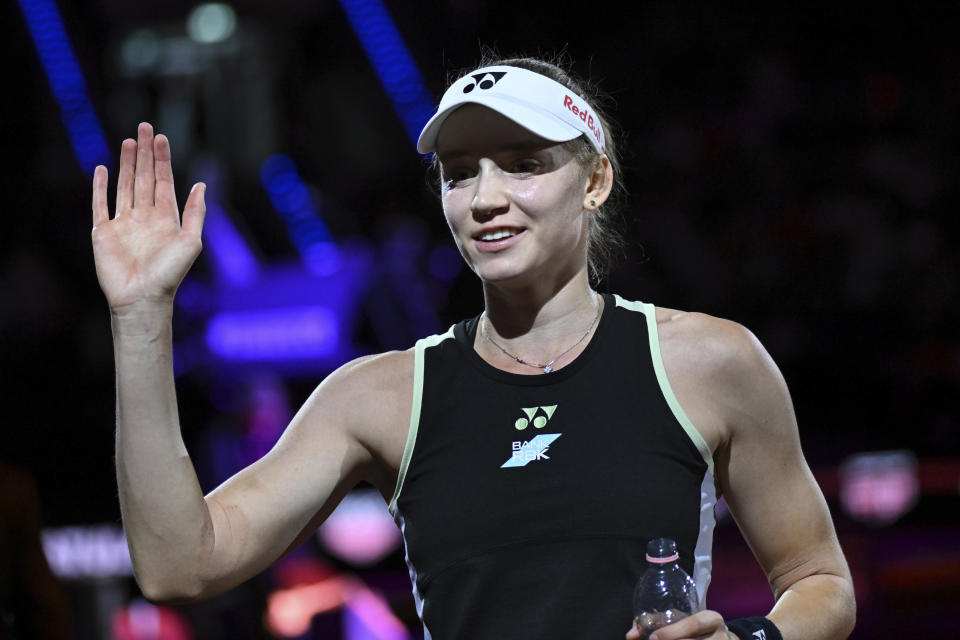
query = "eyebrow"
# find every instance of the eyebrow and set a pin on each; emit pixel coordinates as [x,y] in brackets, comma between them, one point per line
[522,145]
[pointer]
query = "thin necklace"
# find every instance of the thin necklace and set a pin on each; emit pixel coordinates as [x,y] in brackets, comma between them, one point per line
[548,366]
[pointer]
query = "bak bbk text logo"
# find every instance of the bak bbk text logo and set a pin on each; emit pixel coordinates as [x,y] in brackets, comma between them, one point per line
[524,452]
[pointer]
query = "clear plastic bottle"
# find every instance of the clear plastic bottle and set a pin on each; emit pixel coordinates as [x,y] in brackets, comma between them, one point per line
[665,593]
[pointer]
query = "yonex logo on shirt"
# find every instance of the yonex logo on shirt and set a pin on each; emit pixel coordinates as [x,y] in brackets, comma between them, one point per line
[539,422]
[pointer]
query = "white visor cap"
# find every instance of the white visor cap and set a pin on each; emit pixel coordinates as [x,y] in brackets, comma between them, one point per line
[535,102]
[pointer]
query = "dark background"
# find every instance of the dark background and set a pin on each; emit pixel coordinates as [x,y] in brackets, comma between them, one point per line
[794,170]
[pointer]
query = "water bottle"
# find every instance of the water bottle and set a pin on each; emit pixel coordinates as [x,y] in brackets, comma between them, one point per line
[664,593]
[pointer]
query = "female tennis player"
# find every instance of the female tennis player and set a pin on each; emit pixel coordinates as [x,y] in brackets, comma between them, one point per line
[527,454]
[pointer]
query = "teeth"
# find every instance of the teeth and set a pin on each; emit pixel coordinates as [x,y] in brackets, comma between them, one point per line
[497,235]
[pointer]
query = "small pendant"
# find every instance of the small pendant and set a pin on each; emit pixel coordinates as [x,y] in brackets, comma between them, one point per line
[548,368]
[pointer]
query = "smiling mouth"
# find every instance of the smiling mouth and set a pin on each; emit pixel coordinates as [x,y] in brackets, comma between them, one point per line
[498,234]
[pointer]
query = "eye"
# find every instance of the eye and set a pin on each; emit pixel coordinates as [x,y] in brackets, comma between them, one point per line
[456,176]
[525,165]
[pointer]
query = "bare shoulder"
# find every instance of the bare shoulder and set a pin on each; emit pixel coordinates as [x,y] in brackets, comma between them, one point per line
[722,346]
[383,370]
[721,372]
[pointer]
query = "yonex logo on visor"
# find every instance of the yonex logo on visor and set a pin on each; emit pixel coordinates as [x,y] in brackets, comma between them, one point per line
[535,102]
[484,80]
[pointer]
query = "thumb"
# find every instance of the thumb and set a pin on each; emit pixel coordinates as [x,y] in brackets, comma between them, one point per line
[195,210]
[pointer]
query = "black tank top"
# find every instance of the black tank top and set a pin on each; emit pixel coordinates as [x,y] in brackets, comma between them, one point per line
[526,501]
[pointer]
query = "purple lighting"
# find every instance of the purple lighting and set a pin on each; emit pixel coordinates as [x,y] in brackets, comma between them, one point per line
[228,251]
[282,333]
[360,530]
[96,551]
[879,487]
[367,617]
[288,318]
[445,263]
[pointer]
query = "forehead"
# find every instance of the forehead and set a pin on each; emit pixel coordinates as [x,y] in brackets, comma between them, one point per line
[474,129]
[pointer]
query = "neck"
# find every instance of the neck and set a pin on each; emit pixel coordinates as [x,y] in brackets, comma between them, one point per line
[538,322]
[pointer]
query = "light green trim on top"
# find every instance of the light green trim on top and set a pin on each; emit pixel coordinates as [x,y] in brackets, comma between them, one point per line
[651,312]
[418,356]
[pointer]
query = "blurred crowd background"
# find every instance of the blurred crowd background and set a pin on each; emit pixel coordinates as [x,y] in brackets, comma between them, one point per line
[793,169]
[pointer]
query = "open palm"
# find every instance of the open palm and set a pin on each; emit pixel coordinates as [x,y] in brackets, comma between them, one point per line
[143,252]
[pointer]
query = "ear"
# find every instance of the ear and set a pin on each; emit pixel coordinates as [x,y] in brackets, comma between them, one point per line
[599,184]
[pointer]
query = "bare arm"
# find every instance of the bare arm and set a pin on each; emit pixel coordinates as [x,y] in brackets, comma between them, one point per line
[335,440]
[164,515]
[778,505]
[141,256]
[185,546]
[735,395]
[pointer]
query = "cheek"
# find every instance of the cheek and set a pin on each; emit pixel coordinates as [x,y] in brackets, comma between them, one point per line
[453,219]
[554,199]
[556,192]
[531,194]
[450,205]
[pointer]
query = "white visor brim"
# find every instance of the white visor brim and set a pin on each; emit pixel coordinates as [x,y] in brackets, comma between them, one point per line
[535,102]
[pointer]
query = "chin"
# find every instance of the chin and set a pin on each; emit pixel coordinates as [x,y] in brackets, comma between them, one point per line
[509,275]
[497,274]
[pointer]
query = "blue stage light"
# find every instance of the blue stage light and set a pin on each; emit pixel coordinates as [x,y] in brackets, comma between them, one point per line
[392,61]
[66,81]
[291,198]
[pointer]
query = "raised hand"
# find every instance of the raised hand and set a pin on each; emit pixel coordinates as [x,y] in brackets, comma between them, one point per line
[143,253]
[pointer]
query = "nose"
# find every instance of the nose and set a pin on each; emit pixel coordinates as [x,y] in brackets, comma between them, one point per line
[490,198]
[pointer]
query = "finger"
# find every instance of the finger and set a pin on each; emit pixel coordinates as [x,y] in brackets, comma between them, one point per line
[634,633]
[144,178]
[101,213]
[699,625]
[195,211]
[164,196]
[128,162]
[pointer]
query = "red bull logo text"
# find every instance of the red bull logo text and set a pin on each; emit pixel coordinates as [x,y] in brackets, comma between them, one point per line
[583,114]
